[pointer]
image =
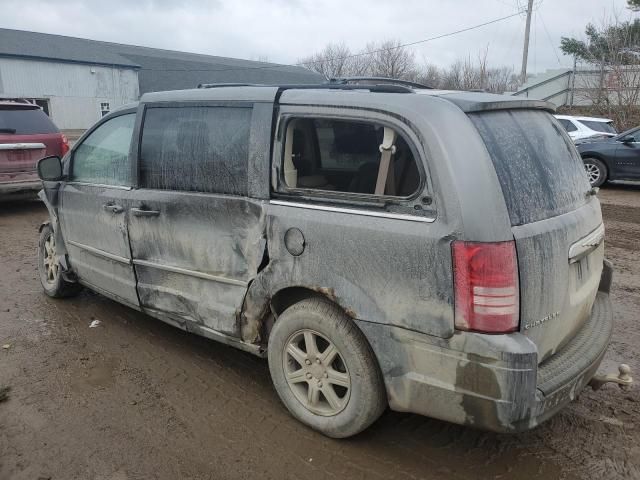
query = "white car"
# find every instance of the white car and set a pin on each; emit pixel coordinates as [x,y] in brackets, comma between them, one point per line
[585,127]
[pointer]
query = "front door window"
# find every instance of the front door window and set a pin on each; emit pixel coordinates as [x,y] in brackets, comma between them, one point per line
[103,157]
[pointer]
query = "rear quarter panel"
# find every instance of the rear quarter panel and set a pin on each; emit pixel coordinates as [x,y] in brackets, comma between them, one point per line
[382,270]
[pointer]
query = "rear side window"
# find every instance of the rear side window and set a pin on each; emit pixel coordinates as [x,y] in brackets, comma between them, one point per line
[200,149]
[540,171]
[348,156]
[22,121]
[568,125]
[603,127]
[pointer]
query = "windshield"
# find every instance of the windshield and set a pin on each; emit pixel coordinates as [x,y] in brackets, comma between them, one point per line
[539,169]
[604,127]
[632,132]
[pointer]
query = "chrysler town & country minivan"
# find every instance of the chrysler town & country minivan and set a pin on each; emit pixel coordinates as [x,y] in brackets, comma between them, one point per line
[382,245]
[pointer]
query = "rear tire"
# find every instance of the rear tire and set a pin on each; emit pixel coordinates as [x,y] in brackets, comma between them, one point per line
[596,171]
[324,370]
[51,278]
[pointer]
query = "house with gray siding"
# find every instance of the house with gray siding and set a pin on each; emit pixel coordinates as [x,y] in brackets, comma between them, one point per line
[76,80]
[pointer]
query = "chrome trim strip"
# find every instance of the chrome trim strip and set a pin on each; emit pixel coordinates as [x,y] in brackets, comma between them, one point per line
[366,213]
[22,146]
[100,253]
[192,273]
[102,185]
[586,245]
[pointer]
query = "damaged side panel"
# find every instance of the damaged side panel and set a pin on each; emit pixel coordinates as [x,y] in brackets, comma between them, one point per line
[97,239]
[195,258]
[394,272]
[51,202]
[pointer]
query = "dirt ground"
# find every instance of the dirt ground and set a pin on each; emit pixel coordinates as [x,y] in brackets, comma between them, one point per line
[137,399]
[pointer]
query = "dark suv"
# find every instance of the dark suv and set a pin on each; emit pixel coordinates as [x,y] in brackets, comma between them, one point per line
[436,252]
[26,135]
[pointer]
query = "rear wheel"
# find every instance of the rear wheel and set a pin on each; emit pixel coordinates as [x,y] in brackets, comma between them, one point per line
[49,269]
[596,171]
[324,369]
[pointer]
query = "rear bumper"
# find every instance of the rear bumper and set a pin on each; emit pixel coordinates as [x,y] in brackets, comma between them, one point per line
[491,382]
[20,188]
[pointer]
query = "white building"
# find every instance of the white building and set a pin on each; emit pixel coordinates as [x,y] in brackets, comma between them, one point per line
[76,81]
[74,95]
[583,86]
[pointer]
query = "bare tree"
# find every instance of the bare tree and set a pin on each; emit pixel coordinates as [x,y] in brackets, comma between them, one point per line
[430,75]
[500,80]
[390,59]
[332,61]
[358,66]
[475,74]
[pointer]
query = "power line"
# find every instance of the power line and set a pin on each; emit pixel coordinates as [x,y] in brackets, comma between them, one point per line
[266,67]
[555,52]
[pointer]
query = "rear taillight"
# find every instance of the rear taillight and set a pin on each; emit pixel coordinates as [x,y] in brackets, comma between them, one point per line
[486,286]
[64,145]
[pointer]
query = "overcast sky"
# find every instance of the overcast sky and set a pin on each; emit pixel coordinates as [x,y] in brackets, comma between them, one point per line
[285,30]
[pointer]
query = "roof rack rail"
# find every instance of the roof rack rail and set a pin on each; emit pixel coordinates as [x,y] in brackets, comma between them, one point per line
[377,88]
[377,81]
[16,100]
[19,103]
[219,85]
[388,88]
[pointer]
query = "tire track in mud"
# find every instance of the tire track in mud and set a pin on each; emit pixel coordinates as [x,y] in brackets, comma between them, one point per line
[620,213]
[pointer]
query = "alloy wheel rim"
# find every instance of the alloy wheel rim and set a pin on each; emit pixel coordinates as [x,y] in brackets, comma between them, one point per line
[316,373]
[593,172]
[50,261]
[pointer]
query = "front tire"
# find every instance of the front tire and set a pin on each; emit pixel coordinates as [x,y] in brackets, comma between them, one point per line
[53,283]
[324,370]
[596,171]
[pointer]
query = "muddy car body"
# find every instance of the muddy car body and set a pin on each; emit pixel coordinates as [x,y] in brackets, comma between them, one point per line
[376,256]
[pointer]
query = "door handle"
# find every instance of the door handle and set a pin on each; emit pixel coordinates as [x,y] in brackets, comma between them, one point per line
[110,207]
[141,212]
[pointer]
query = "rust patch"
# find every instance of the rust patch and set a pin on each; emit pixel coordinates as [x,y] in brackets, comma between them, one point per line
[350,312]
[327,292]
[331,295]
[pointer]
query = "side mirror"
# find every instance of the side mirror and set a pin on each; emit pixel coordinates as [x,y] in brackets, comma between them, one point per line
[628,139]
[50,169]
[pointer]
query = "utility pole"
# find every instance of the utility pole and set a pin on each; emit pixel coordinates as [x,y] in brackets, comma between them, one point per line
[525,51]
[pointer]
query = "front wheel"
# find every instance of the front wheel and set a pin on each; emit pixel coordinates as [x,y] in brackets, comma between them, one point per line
[324,370]
[596,171]
[49,269]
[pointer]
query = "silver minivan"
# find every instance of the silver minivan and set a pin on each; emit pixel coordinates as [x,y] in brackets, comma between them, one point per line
[382,245]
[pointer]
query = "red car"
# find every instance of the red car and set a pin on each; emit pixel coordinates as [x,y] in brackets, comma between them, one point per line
[26,135]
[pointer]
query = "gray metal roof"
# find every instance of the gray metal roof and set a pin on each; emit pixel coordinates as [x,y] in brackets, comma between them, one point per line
[252,93]
[468,102]
[332,94]
[158,69]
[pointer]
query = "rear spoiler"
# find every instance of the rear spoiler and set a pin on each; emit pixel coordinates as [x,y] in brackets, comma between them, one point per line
[470,102]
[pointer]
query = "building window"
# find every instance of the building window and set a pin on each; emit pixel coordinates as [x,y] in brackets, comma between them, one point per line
[43,104]
[104,108]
